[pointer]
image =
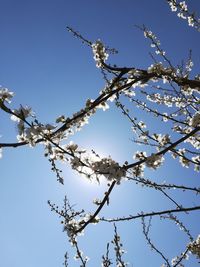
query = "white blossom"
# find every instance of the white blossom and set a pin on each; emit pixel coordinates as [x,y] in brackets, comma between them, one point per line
[5,94]
[61,118]
[142,125]
[181,15]
[162,139]
[190,21]
[165,117]
[183,6]
[189,65]
[99,52]
[140,155]
[172,5]
[75,163]
[21,113]
[184,162]
[156,68]
[154,161]
[71,227]
[197,160]
[72,146]
[138,171]
[195,121]
[103,105]
[194,247]
[109,168]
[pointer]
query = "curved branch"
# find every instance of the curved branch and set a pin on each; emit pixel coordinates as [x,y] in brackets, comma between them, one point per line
[162,152]
[99,208]
[154,213]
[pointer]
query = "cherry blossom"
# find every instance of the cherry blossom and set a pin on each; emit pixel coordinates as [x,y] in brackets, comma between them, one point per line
[167,94]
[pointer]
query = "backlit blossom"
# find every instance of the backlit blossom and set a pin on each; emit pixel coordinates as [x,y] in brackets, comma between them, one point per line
[194,247]
[21,113]
[103,106]
[195,121]
[154,161]
[99,52]
[5,94]
[109,168]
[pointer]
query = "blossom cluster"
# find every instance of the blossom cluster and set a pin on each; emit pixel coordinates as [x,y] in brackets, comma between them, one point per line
[71,227]
[119,251]
[29,132]
[193,140]
[153,161]
[140,155]
[195,120]
[155,43]
[196,159]
[174,4]
[103,105]
[99,52]
[5,95]
[78,120]
[194,247]
[156,68]
[182,9]
[109,168]
[152,36]
[138,171]
[162,139]
[75,163]
[166,100]
[182,116]
[87,164]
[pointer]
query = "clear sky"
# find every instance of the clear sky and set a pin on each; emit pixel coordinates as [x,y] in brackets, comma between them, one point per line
[55,74]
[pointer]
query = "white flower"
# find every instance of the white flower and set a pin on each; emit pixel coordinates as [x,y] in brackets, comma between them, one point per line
[21,113]
[190,21]
[195,121]
[162,139]
[173,6]
[103,105]
[181,15]
[183,6]
[5,95]
[72,147]
[156,68]
[61,118]
[138,170]
[109,168]
[99,52]
[148,34]
[14,118]
[71,227]
[165,117]
[75,163]
[140,155]
[165,79]
[194,247]
[184,162]
[154,161]
[142,125]
[196,159]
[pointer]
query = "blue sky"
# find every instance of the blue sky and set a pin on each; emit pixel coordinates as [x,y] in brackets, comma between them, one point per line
[55,74]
